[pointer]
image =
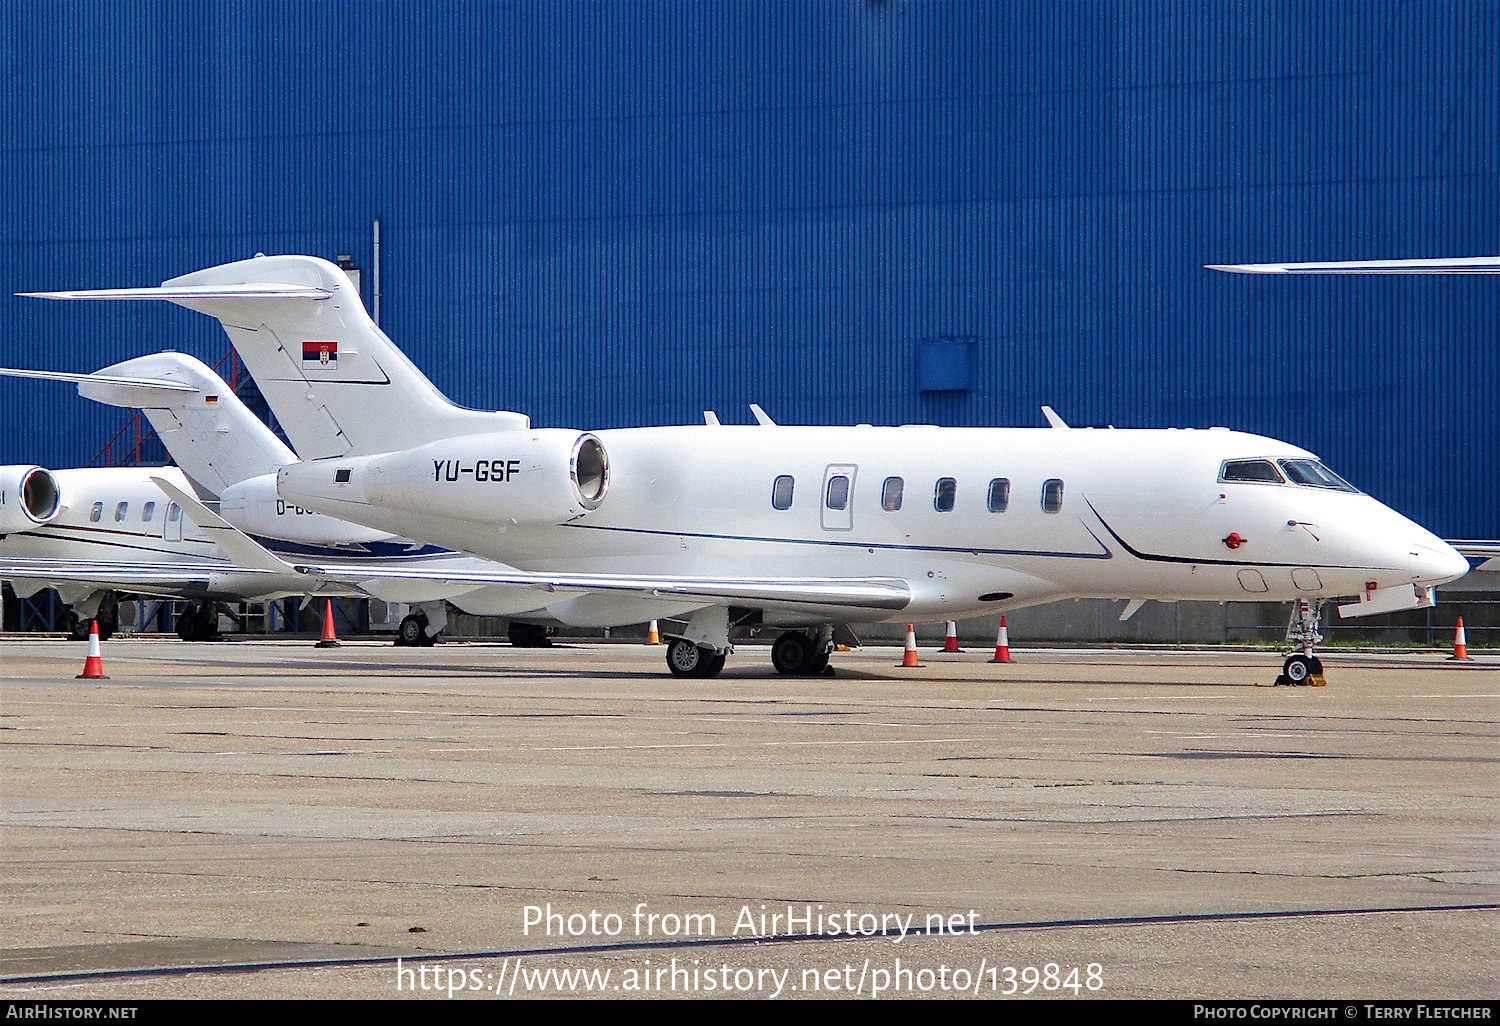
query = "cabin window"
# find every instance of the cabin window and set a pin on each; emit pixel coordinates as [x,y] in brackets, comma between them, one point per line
[781,492]
[1052,491]
[97,513]
[174,513]
[1314,475]
[890,494]
[120,511]
[838,492]
[944,494]
[341,476]
[999,495]
[147,512]
[1262,471]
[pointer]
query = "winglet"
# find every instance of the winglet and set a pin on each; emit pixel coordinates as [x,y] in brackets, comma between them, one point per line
[243,550]
[761,417]
[1053,418]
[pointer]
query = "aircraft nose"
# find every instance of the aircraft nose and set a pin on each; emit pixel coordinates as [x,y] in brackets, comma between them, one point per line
[1440,563]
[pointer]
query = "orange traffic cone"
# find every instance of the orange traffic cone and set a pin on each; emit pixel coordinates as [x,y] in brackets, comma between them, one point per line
[653,636]
[1460,642]
[1002,644]
[909,657]
[93,663]
[329,639]
[950,639]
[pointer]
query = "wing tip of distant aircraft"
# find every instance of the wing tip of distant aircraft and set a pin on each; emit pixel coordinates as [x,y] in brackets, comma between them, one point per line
[1441,265]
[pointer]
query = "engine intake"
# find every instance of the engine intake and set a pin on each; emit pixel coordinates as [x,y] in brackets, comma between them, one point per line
[516,477]
[29,497]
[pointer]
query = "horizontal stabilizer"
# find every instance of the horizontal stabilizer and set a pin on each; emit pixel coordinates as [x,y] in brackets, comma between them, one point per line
[1451,265]
[180,293]
[150,384]
[859,593]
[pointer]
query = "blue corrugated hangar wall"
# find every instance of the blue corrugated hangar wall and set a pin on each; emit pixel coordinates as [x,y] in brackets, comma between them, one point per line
[627,212]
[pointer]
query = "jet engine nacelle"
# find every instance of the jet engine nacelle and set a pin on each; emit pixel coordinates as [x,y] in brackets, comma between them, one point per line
[254,507]
[29,497]
[516,477]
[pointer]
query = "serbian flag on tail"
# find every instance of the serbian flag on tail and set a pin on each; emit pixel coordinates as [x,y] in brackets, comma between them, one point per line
[320,354]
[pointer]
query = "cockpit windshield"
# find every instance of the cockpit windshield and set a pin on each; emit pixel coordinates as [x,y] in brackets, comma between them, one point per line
[1260,471]
[1312,474]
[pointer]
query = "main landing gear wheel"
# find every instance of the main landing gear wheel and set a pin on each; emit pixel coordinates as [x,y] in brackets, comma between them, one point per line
[198,623]
[413,631]
[107,617]
[797,655]
[528,635]
[791,653]
[686,659]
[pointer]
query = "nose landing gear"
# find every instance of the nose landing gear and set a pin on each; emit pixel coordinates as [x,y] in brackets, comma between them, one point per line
[1302,668]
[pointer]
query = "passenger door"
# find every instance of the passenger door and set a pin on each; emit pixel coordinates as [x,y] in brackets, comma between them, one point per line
[838,497]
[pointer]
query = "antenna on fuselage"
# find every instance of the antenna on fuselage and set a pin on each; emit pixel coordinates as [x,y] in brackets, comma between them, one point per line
[1053,418]
[761,417]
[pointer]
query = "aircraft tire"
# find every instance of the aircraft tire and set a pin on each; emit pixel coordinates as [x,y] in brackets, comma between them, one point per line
[528,635]
[713,665]
[816,665]
[1296,670]
[412,630]
[686,659]
[188,625]
[791,653]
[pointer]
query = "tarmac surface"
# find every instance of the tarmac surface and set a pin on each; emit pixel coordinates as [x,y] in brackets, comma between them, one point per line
[266,819]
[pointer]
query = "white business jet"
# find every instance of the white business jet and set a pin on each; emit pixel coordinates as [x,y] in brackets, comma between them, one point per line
[808,529]
[1487,550]
[95,531]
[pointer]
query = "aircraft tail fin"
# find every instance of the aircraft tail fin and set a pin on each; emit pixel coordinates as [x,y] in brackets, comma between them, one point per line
[336,383]
[209,432]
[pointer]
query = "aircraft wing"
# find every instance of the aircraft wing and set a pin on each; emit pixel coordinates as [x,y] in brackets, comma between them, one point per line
[1489,551]
[1446,265]
[122,575]
[852,592]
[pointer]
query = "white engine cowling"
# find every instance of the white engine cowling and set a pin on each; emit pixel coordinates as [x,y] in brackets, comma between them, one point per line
[254,507]
[523,477]
[29,497]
